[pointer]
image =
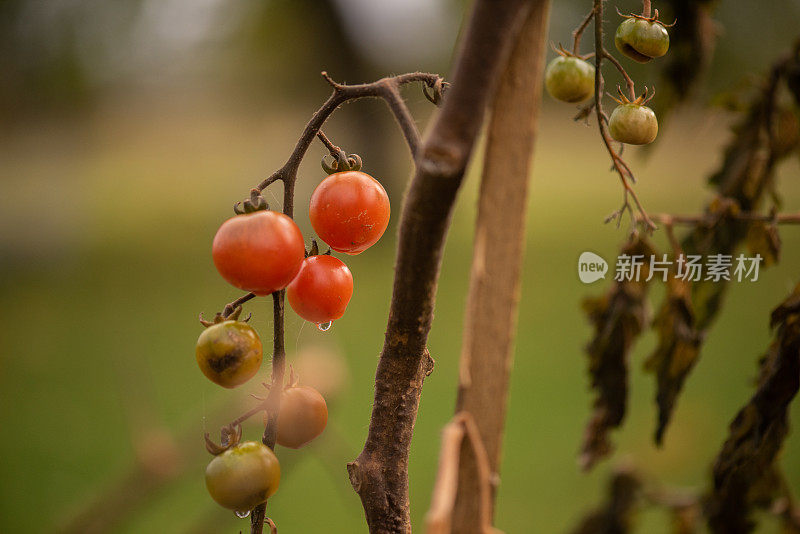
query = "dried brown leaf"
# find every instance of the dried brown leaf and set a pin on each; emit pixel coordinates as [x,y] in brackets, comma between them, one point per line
[763,239]
[741,182]
[677,351]
[618,317]
[744,474]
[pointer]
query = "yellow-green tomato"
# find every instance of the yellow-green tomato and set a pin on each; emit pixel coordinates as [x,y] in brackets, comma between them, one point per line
[641,40]
[569,79]
[633,124]
[244,476]
[229,353]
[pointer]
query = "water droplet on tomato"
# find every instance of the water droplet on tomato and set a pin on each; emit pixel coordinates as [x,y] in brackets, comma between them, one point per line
[242,515]
[324,327]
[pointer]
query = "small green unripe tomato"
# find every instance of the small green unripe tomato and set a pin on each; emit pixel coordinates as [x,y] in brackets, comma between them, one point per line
[633,124]
[641,39]
[569,79]
[229,353]
[244,476]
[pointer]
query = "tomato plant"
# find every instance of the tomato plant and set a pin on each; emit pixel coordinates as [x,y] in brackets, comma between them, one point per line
[259,252]
[349,211]
[243,476]
[321,290]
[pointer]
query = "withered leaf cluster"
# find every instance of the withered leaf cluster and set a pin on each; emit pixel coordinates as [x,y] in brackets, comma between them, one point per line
[618,316]
[745,474]
[743,180]
[678,348]
[745,176]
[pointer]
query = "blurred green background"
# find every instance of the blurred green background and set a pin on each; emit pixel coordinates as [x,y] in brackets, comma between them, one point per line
[128,130]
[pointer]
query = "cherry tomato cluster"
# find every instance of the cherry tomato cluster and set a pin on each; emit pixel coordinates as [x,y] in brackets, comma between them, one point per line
[570,78]
[262,251]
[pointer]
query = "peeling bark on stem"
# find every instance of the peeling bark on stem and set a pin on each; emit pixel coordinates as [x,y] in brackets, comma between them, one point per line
[380,473]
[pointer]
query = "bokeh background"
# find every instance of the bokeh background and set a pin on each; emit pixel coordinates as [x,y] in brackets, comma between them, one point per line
[127,131]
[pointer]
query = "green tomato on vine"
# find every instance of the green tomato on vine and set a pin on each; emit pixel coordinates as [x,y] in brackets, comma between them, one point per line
[243,476]
[569,78]
[642,39]
[632,122]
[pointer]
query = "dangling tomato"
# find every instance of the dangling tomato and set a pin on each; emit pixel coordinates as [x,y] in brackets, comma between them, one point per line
[321,290]
[349,211]
[259,252]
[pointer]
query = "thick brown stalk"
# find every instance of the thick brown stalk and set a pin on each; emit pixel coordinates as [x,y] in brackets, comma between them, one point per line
[380,473]
[491,315]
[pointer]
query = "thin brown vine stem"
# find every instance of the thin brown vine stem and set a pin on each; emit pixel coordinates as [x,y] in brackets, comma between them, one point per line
[332,149]
[385,88]
[693,220]
[273,400]
[404,118]
[578,32]
[231,306]
[628,80]
[600,54]
[646,8]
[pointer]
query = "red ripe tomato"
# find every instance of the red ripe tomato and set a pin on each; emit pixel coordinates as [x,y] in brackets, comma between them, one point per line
[349,211]
[259,252]
[321,290]
[302,417]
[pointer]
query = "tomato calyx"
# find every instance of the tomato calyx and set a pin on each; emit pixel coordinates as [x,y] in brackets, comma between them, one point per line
[341,161]
[314,250]
[294,379]
[438,89]
[563,52]
[255,203]
[230,436]
[220,317]
[651,19]
[641,100]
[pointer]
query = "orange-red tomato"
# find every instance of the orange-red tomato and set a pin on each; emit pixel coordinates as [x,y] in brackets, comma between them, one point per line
[321,290]
[349,211]
[302,417]
[259,252]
